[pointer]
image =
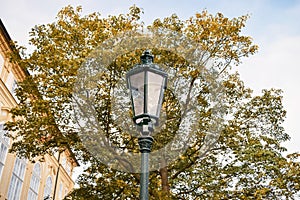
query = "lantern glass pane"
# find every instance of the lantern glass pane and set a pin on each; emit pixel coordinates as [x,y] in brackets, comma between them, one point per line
[155,82]
[137,92]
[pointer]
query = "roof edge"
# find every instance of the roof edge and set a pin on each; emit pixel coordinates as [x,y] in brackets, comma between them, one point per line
[4,31]
[9,40]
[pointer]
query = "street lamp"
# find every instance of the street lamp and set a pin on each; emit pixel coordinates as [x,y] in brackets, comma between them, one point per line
[147,84]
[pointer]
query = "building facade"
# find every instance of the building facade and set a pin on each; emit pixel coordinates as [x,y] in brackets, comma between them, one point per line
[49,177]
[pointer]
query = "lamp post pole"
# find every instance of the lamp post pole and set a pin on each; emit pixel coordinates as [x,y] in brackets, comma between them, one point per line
[145,143]
[147,84]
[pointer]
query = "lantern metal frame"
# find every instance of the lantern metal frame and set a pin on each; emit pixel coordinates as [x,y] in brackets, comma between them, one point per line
[147,66]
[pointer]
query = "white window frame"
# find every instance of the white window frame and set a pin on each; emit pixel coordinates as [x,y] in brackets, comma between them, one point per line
[48,188]
[4,146]
[17,179]
[35,182]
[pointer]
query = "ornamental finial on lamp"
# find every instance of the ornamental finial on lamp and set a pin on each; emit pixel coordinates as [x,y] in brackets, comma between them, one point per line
[147,57]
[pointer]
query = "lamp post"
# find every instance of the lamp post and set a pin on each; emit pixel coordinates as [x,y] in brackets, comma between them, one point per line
[147,84]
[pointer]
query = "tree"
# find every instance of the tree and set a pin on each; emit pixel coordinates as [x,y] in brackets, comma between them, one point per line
[244,160]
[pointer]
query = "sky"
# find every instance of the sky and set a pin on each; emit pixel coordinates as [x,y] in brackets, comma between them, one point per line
[273,25]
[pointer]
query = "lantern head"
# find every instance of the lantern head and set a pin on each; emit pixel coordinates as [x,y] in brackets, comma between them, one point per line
[147,84]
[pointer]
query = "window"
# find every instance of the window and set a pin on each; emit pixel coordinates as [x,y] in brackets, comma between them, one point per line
[1,63]
[66,165]
[68,168]
[9,81]
[12,84]
[63,162]
[66,192]
[48,188]
[34,182]
[60,191]
[17,179]
[13,90]
[4,144]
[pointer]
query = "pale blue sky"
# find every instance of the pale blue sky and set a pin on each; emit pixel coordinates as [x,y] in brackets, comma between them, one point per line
[274,26]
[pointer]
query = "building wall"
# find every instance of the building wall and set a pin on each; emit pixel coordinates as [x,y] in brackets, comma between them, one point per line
[57,168]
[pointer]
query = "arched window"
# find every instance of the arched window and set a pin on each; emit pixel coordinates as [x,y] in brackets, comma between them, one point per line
[48,188]
[16,180]
[35,182]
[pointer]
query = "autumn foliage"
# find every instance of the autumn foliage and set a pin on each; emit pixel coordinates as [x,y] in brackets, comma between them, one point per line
[246,162]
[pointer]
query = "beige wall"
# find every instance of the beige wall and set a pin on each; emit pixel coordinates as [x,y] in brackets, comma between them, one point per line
[50,165]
